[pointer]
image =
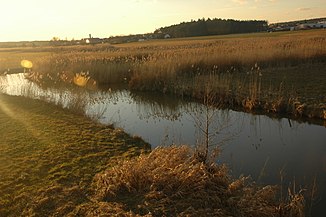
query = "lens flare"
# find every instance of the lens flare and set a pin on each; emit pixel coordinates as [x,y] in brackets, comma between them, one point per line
[81,79]
[26,64]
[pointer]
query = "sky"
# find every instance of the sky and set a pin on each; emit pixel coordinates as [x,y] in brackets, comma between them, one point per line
[28,20]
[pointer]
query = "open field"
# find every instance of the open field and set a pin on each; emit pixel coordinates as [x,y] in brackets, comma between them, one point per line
[55,163]
[279,73]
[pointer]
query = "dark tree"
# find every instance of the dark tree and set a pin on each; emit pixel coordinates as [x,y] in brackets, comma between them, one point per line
[203,27]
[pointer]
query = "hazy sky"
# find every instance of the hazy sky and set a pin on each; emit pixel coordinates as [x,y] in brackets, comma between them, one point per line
[44,19]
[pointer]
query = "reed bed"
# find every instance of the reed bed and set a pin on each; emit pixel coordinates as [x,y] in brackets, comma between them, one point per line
[170,181]
[253,71]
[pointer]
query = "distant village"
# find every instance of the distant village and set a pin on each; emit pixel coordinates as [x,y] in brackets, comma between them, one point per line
[114,39]
[90,40]
[158,34]
[319,23]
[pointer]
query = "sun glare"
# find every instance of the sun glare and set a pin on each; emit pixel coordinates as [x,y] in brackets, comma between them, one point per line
[26,64]
[81,79]
[5,108]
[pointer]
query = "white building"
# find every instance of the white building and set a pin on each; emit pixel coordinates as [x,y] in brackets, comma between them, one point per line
[318,25]
[167,36]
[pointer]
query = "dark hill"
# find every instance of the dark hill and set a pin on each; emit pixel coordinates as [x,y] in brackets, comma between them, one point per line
[206,27]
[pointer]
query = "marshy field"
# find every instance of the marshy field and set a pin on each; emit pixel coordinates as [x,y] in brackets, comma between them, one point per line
[279,73]
[72,159]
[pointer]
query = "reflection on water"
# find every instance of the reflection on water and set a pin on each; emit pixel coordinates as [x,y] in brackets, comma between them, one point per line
[261,147]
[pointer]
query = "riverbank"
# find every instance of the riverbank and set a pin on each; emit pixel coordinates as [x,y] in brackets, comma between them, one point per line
[56,163]
[279,73]
[49,156]
[296,92]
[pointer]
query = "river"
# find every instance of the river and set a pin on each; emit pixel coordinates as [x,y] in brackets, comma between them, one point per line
[271,151]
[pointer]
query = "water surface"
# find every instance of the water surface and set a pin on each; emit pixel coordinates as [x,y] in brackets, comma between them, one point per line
[269,150]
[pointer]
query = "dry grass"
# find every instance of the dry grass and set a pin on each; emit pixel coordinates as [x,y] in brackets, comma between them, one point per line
[185,66]
[171,182]
[49,158]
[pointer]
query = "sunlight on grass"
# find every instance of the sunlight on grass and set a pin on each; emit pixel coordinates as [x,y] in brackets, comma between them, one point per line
[5,109]
[52,172]
[24,121]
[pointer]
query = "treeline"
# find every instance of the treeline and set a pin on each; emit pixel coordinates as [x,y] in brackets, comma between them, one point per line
[203,27]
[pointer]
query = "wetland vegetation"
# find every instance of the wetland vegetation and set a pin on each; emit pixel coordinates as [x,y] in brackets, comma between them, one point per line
[280,73]
[56,163]
[66,164]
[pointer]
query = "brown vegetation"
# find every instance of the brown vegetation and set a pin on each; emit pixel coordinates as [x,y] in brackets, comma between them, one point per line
[276,73]
[49,158]
[172,182]
[282,73]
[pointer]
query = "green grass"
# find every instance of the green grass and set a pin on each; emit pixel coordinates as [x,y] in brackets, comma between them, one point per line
[49,156]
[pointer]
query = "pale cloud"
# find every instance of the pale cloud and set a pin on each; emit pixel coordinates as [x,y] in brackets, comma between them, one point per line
[145,1]
[241,2]
[303,9]
[254,3]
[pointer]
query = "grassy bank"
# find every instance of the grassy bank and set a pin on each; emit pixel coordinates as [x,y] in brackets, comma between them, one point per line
[279,73]
[55,163]
[49,156]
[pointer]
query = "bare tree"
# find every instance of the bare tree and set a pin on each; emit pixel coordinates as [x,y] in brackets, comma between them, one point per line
[211,128]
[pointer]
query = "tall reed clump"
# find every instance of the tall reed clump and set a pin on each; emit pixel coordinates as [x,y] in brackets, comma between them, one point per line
[236,68]
[157,64]
[170,181]
[65,67]
[245,71]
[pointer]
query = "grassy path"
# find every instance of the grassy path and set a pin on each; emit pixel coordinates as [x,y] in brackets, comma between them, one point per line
[49,156]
